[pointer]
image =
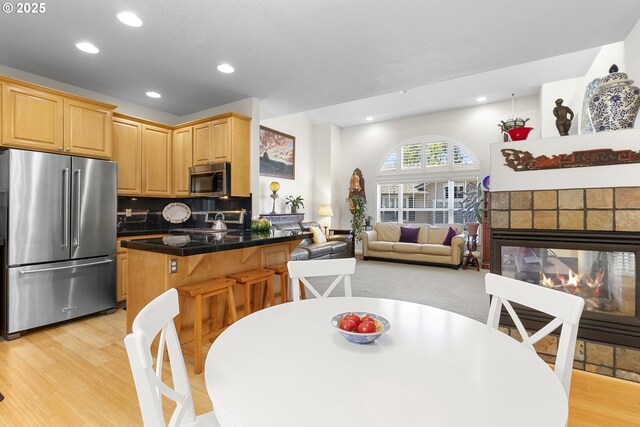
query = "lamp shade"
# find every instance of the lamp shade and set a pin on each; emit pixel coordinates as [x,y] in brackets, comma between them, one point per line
[274,186]
[325,210]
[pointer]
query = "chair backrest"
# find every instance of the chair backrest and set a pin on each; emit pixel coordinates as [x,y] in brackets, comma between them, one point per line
[157,317]
[565,308]
[342,268]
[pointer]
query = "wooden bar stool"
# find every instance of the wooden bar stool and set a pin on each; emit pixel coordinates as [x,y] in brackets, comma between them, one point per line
[282,272]
[251,278]
[199,292]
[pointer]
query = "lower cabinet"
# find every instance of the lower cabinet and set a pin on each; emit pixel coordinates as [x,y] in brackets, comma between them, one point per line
[122,265]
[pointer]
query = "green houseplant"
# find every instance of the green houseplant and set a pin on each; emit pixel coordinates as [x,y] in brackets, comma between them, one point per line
[295,203]
[359,205]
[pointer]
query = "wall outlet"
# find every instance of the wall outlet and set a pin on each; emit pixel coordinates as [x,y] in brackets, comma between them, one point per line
[173,266]
[128,213]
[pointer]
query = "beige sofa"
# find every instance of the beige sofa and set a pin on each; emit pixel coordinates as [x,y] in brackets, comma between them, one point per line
[383,243]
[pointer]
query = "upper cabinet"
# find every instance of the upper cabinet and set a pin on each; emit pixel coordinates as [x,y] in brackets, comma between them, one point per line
[87,129]
[182,160]
[36,118]
[202,143]
[156,161]
[32,119]
[144,155]
[221,136]
[127,151]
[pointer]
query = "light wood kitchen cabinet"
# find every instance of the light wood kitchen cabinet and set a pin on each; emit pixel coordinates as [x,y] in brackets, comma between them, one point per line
[87,129]
[122,265]
[240,156]
[202,143]
[221,140]
[42,119]
[127,151]
[32,119]
[156,161]
[182,160]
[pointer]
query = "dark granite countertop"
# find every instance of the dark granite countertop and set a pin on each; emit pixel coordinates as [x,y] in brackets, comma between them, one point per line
[187,244]
[125,233]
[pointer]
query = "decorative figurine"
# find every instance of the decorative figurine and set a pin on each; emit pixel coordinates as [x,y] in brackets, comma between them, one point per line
[356,187]
[563,123]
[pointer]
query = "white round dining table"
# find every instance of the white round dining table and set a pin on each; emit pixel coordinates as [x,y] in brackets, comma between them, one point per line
[288,366]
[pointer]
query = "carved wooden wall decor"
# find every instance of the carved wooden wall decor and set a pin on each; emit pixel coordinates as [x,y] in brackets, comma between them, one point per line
[519,160]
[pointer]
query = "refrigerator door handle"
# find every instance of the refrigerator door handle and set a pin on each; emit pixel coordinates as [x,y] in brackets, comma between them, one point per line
[66,267]
[78,224]
[65,208]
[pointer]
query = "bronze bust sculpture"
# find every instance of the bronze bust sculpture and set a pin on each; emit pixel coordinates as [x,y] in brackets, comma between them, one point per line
[563,123]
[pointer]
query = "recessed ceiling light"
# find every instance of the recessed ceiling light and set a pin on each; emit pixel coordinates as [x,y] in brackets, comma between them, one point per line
[481,99]
[369,118]
[130,19]
[404,91]
[226,68]
[152,94]
[87,47]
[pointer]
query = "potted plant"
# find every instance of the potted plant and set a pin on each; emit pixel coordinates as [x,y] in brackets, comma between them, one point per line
[359,205]
[471,207]
[294,202]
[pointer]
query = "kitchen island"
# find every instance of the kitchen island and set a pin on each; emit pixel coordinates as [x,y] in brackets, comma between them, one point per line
[197,257]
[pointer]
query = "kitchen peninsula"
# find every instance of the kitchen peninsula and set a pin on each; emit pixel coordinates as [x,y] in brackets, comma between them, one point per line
[198,257]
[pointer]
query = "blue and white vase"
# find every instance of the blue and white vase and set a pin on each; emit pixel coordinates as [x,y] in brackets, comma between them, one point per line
[616,103]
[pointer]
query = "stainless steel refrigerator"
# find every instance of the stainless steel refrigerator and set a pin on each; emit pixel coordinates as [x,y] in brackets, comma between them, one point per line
[58,214]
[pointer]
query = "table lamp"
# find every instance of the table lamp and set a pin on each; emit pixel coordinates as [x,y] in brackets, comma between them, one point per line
[325,210]
[274,187]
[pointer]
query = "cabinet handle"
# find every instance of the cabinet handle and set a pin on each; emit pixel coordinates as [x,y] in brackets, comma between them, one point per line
[60,148]
[68,149]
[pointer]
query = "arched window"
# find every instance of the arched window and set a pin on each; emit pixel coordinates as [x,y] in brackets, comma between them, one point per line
[422,180]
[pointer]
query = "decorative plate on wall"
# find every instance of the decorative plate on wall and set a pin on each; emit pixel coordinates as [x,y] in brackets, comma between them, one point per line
[176,213]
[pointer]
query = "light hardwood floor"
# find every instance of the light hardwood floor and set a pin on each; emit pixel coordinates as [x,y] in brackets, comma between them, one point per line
[77,374]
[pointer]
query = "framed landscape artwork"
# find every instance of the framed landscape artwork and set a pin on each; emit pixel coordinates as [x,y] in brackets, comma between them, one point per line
[277,153]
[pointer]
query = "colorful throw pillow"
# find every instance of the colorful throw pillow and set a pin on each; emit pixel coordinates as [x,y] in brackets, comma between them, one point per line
[409,234]
[451,233]
[318,235]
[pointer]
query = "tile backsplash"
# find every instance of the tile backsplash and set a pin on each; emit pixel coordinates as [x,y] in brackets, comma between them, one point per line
[147,212]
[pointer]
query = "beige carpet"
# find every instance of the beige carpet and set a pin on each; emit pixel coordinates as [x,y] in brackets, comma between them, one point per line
[460,291]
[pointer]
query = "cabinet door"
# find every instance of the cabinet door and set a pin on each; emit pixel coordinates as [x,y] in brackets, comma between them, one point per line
[122,266]
[156,161]
[87,129]
[221,141]
[202,144]
[182,160]
[127,152]
[32,119]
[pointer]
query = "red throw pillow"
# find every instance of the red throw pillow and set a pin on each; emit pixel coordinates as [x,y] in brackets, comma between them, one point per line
[409,234]
[451,233]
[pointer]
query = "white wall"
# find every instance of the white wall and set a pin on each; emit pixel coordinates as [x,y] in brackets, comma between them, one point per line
[503,178]
[476,128]
[632,58]
[301,127]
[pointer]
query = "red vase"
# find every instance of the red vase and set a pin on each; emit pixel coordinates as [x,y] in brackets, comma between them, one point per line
[472,228]
[519,134]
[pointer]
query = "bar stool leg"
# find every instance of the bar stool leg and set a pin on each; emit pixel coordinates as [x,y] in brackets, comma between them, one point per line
[272,298]
[284,287]
[232,305]
[197,330]
[247,299]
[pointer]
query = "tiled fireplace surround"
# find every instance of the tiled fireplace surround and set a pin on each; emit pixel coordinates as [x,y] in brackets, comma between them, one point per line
[591,209]
[574,208]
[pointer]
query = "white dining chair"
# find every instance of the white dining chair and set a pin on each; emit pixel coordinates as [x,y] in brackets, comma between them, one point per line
[157,317]
[565,308]
[342,268]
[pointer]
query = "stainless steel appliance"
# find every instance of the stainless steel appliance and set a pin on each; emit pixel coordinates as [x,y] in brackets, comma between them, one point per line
[59,213]
[212,180]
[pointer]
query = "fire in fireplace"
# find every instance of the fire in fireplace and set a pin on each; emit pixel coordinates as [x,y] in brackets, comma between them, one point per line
[605,279]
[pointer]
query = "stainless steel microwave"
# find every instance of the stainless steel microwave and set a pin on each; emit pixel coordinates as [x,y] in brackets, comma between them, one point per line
[212,180]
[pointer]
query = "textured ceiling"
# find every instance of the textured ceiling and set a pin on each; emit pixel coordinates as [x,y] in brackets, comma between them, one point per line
[297,55]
